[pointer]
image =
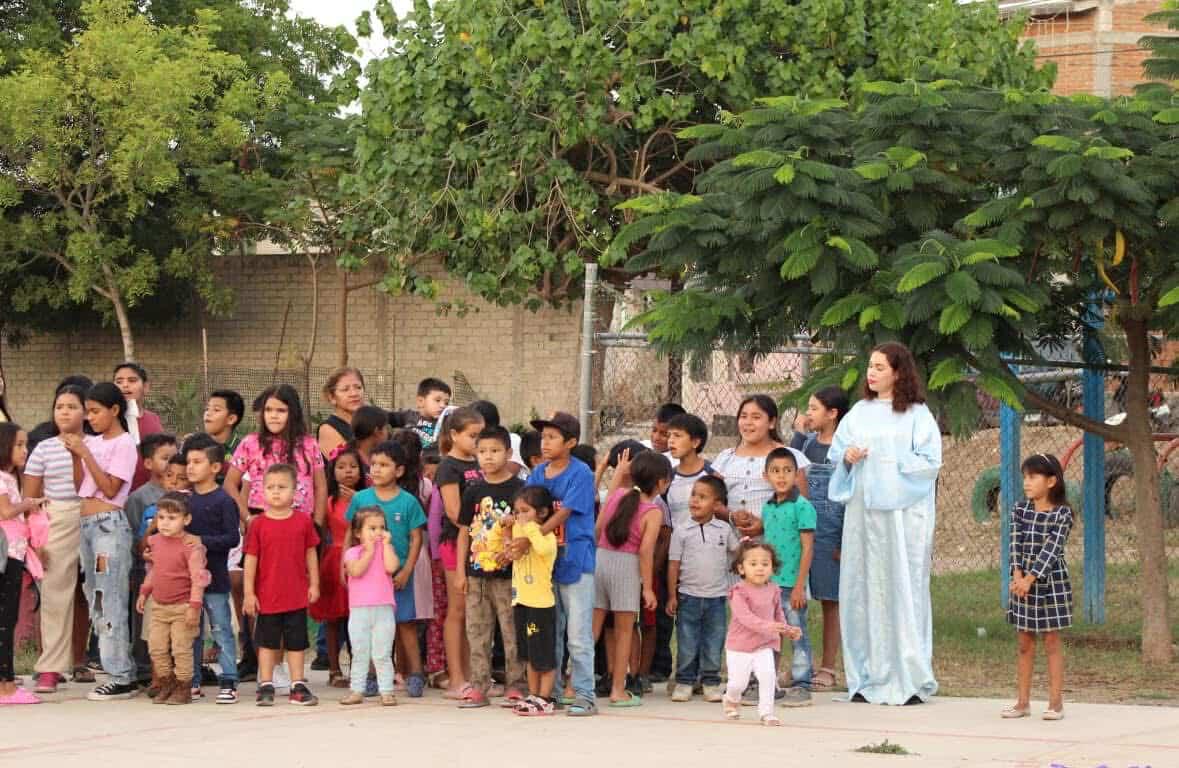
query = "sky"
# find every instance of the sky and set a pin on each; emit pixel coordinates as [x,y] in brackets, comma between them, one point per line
[333,12]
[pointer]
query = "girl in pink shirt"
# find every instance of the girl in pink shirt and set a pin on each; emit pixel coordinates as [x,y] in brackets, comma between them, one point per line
[624,565]
[25,528]
[281,439]
[372,619]
[755,629]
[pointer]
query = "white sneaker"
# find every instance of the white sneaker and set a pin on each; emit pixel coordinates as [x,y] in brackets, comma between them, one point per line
[713,694]
[682,692]
[282,678]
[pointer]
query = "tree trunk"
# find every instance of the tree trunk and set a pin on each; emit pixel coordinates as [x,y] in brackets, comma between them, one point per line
[1148,513]
[121,315]
[342,321]
[313,336]
[675,363]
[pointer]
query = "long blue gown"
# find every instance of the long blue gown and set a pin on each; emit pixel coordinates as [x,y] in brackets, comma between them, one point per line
[884,605]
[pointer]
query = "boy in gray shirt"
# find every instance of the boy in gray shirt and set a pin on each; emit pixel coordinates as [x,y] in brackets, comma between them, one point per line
[697,586]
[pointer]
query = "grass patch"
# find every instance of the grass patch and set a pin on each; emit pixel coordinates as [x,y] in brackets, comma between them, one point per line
[885,747]
[1102,661]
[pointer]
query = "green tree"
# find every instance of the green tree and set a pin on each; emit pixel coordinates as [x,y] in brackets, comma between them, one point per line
[500,134]
[91,136]
[971,224]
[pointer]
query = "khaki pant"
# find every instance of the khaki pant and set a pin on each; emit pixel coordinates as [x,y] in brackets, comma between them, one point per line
[170,641]
[490,600]
[57,588]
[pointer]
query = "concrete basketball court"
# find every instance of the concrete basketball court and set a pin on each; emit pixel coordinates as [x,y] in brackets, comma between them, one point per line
[70,731]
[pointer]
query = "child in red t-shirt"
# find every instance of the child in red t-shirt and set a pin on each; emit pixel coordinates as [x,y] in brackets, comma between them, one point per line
[281,580]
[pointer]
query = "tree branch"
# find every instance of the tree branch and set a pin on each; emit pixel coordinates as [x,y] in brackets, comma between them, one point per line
[615,181]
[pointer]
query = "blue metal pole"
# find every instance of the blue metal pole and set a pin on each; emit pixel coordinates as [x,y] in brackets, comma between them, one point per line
[1010,490]
[1093,382]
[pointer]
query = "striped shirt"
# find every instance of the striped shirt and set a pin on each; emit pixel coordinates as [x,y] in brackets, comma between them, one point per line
[52,462]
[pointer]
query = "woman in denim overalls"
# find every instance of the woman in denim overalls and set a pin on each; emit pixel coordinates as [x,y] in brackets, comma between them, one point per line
[825,409]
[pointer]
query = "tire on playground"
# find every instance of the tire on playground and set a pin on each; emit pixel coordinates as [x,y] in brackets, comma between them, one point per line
[1118,465]
[984,499]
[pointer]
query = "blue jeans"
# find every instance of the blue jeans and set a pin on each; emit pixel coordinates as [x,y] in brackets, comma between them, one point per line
[800,660]
[372,629]
[700,639]
[219,609]
[106,561]
[575,620]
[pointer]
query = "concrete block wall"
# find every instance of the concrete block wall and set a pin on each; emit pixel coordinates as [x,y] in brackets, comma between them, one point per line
[523,361]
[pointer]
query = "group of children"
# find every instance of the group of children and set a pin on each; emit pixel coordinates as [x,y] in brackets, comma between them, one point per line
[435,528]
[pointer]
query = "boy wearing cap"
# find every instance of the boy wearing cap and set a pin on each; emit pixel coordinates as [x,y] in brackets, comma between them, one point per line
[571,484]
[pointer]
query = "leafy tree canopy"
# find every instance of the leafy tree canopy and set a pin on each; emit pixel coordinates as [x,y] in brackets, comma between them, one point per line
[969,223]
[501,134]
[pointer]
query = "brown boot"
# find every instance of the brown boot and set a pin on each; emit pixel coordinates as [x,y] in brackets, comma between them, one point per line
[166,685]
[153,688]
[182,693]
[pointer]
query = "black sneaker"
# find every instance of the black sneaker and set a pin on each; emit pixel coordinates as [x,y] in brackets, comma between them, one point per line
[302,695]
[603,686]
[227,694]
[320,664]
[112,691]
[209,675]
[265,697]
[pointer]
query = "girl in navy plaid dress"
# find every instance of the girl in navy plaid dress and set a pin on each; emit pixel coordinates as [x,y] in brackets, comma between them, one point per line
[1041,594]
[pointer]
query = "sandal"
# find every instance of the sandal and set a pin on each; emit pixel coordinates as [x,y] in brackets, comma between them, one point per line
[83,674]
[1014,713]
[439,680]
[823,680]
[582,708]
[630,701]
[534,706]
[771,720]
[1052,714]
[337,680]
[459,694]
[732,708]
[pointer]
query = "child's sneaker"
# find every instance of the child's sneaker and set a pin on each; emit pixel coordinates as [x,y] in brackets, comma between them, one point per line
[265,697]
[47,682]
[302,695]
[797,697]
[682,692]
[713,694]
[112,691]
[227,694]
[370,687]
[415,684]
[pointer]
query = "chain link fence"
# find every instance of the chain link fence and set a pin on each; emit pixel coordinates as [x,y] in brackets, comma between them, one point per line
[635,381]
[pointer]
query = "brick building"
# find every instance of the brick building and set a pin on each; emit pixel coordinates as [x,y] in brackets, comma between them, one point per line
[1094,43]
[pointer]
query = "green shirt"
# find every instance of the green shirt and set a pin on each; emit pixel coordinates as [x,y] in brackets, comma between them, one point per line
[784,523]
[403,515]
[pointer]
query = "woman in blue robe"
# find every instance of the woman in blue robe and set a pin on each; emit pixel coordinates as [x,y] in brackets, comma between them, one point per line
[887,452]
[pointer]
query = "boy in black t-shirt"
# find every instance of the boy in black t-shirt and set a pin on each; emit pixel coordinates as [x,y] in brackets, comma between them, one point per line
[487,577]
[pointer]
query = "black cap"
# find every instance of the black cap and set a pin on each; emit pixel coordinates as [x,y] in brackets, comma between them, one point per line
[565,423]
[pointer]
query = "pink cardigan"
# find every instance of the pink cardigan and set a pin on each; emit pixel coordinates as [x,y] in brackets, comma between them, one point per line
[754,609]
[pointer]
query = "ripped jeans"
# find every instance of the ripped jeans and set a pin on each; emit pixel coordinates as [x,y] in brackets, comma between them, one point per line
[106,561]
